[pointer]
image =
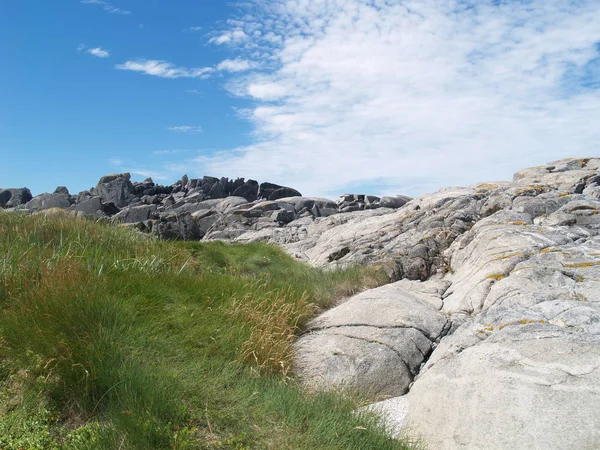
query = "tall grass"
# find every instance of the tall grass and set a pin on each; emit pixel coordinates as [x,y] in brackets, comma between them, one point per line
[112,340]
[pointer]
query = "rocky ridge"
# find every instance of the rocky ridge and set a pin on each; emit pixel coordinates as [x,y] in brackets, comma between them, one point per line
[191,209]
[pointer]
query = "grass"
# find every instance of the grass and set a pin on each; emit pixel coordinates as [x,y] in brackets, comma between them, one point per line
[109,340]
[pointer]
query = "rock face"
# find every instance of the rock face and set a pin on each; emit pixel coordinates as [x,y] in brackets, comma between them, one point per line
[510,353]
[375,342]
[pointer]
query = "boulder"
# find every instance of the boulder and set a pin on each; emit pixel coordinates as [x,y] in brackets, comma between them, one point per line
[49,201]
[375,342]
[249,190]
[284,192]
[11,198]
[116,189]
[135,214]
[394,202]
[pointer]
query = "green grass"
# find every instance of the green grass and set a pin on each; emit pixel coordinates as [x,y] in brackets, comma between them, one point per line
[109,340]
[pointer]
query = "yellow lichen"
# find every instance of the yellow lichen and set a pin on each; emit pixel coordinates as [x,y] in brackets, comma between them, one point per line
[510,255]
[564,194]
[532,189]
[486,186]
[521,322]
[495,276]
[549,249]
[582,265]
[487,328]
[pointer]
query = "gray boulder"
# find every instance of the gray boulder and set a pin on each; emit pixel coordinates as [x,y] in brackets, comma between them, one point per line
[49,201]
[135,214]
[249,190]
[394,202]
[11,198]
[284,192]
[375,342]
[93,207]
[116,189]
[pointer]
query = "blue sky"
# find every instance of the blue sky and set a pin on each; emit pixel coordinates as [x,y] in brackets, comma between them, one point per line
[327,96]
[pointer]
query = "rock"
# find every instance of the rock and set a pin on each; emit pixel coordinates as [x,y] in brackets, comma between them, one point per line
[90,207]
[11,198]
[230,204]
[62,190]
[177,226]
[266,189]
[136,214]
[284,192]
[116,189]
[49,201]
[374,342]
[534,383]
[513,273]
[5,196]
[249,190]
[394,202]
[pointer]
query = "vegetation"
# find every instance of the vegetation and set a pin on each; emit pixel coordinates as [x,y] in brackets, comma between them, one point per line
[109,340]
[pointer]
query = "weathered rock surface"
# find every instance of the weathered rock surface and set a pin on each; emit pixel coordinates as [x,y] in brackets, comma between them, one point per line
[374,342]
[514,271]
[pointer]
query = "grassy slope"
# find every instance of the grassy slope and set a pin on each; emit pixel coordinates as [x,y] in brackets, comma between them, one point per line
[110,341]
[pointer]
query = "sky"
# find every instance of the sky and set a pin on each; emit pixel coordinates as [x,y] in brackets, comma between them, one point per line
[327,96]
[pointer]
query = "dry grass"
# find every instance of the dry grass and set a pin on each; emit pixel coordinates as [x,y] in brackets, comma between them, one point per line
[273,318]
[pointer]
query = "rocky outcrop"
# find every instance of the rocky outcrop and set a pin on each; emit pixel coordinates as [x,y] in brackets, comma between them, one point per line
[190,209]
[517,362]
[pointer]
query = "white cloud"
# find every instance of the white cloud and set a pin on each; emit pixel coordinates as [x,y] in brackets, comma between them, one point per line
[99,52]
[194,91]
[164,69]
[235,65]
[229,37]
[192,29]
[266,91]
[413,96]
[186,129]
[106,6]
